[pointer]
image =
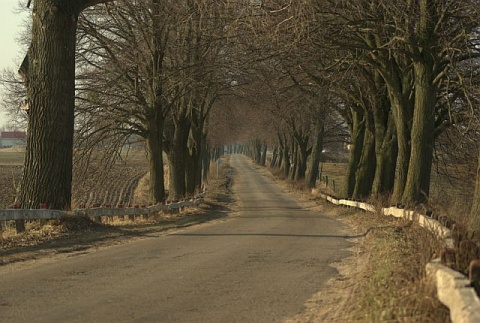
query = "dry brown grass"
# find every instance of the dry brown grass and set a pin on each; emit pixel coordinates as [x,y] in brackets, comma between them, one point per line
[141,193]
[332,175]
[394,287]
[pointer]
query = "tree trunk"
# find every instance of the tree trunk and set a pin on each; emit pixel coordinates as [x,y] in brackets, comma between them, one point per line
[280,157]
[263,158]
[257,152]
[302,157]
[286,160]
[365,171]
[194,167]
[273,162]
[205,159]
[417,187]
[357,135]
[176,154]
[315,159]
[49,73]
[401,117]
[398,78]
[386,158]
[295,159]
[155,159]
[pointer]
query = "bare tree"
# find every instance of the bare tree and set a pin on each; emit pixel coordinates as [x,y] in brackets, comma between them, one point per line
[415,47]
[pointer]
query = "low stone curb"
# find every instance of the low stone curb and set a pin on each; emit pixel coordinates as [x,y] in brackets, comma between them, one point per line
[455,292]
[453,288]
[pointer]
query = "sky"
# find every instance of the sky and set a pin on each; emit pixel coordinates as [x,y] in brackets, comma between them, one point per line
[11,54]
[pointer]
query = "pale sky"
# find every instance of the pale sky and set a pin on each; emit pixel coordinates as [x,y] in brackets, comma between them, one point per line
[10,26]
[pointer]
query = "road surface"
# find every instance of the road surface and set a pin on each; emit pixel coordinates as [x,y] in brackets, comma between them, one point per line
[261,263]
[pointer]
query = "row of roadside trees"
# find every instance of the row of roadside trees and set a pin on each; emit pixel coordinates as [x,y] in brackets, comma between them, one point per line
[392,79]
[397,81]
[99,74]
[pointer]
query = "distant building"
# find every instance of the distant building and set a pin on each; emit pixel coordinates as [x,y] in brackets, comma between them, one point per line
[12,139]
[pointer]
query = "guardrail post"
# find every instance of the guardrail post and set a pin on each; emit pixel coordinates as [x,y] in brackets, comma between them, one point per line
[173,210]
[144,216]
[131,216]
[97,218]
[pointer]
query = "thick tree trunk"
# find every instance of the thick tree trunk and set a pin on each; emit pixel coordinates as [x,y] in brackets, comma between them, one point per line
[286,160]
[176,154]
[302,157]
[398,79]
[194,167]
[263,158]
[294,155]
[280,158]
[155,159]
[315,157]
[401,117]
[386,158]
[365,171]
[49,73]
[273,162]
[257,152]
[357,135]
[205,159]
[417,187]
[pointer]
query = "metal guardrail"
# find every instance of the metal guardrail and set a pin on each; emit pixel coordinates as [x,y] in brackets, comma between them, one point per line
[47,214]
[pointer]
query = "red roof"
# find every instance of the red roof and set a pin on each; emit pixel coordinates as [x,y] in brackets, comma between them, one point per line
[13,134]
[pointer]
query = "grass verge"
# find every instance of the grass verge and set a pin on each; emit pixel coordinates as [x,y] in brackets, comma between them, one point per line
[393,286]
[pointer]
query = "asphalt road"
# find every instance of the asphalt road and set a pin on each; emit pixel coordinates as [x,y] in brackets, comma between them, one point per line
[259,264]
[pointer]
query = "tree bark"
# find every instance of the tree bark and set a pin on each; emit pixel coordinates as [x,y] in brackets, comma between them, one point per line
[263,158]
[357,135]
[294,155]
[402,110]
[365,170]
[315,157]
[49,72]
[386,157]
[155,159]
[176,152]
[302,156]
[417,186]
[285,159]
[274,161]
[195,150]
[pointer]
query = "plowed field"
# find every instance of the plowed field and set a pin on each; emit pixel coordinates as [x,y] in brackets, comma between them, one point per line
[114,185]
